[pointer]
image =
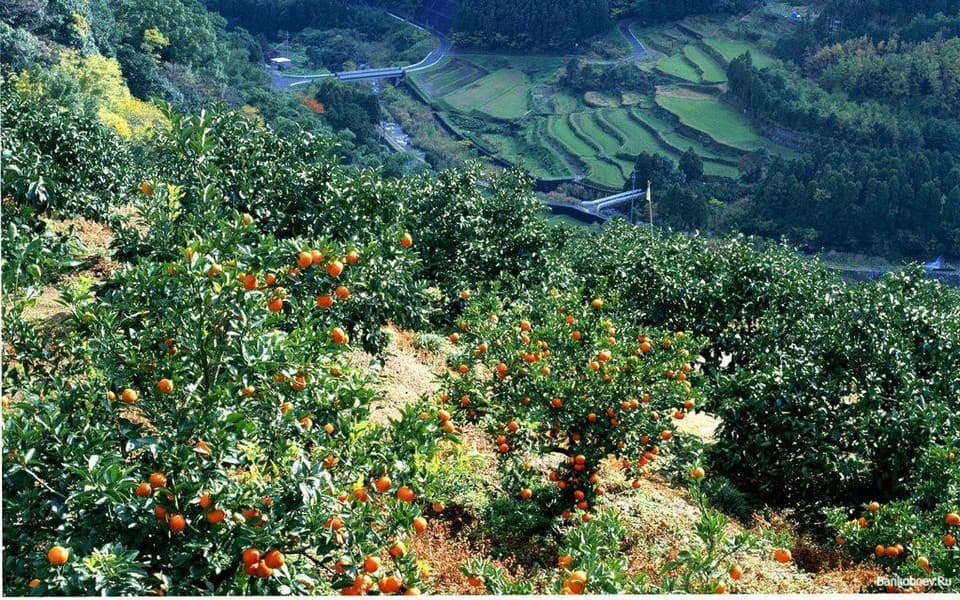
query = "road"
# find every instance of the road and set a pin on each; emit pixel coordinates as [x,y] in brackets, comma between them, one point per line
[637,51]
[280,81]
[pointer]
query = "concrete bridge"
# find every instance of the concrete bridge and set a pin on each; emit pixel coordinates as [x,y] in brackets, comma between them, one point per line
[602,204]
[383,73]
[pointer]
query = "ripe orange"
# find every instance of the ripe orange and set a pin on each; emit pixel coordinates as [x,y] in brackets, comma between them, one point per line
[382,484]
[34,583]
[143,490]
[275,304]
[924,563]
[264,570]
[414,591]
[782,555]
[129,396]
[880,550]
[305,259]
[371,564]
[697,473]
[873,506]
[419,524]
[158,480]
[205,500]
[666,434]
[334,268]
[597,304]
[247,219]
[406,241]
[249,282]
[58,555]
[405,494]
[342,292]
[215,516]
[286,407]
[475,580]
[952,519]
[454,337]
[576,581]
[145,188]
[251,556]
[334,523]
[389,584]
[274,559]
[576,335]
[353,257]
[165,386]
[862,521]
[177,523]
[564,561]
[892,552]
[720,589]
[736,572]
[160,513]
[949,540]
[339,336]
[307,423]
[526,493]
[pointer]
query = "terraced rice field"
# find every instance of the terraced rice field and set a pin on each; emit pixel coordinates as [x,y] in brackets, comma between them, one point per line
[730,49]
[638,138]
[712,72]
[501,94]
[718,120]
[678,66]
[450,76]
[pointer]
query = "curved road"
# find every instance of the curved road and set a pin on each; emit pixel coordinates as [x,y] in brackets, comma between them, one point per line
[637,51]
[281,82]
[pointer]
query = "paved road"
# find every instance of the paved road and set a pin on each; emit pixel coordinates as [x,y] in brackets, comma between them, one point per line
[281,81]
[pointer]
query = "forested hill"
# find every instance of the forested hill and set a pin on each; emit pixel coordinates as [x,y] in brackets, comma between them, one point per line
[516,24]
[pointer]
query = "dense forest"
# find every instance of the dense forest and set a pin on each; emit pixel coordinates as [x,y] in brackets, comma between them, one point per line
[529,24]
[655,11]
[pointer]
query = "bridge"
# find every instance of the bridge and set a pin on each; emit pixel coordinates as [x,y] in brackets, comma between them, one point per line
[602,204]
[384,73]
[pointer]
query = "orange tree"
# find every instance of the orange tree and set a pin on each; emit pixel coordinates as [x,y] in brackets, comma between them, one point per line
[560,376]
[198,429]
[914,539]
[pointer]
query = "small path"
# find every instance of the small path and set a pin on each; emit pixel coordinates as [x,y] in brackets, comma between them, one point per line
[637,50]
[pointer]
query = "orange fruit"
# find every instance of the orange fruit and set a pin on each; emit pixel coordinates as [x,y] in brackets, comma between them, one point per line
[736,572]
[325,301]
[564,561]
[526,493]
[165,386]
[405,494]
[437,506]
[697,473]
[475,580]
[215,516]
[247,219]
[275,304]
[250,282]
[145,188]
[177,523]
[143,490]
[271,279]
[34,583]
[949,540]
[274,559]
[353,257]
[454,337]
[666,434]
[414,591]
[597,304]
[205,500]
[251,556]
[129,396]
[342,292]
[264,570]
[389,584]
[339,336]
[160,512]
[419,524]
[158,480]
[334,523]
[58,555]
[924,563]
[406,241]
[782,555]
[305,259]
[215,269]
[873,506]
[382,484]
[880,550]
[371,564]
[720,589]
[952,519]
[334,268]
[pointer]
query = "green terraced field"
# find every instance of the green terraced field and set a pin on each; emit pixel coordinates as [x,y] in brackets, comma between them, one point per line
[720,121]
[677,142]
[638,138]
[559,129]
[511,105]
[450,76]
[489,88]
[715,169]
[678,66]
[712,72]
[608,144]
[730,49]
